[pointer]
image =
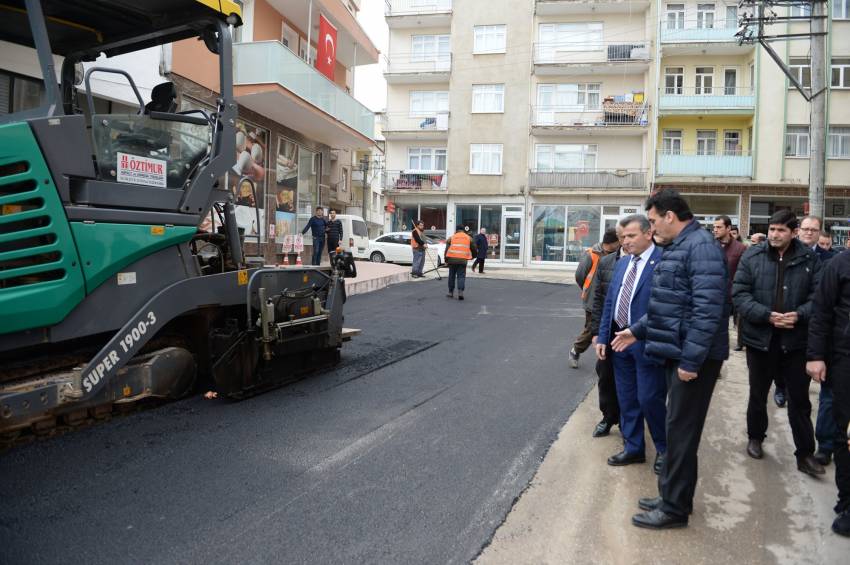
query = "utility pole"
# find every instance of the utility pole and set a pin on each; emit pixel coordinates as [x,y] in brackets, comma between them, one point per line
[758,15]
[817,120]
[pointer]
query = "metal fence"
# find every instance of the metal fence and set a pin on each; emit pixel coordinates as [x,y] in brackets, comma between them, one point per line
[578,178]
[608,114]
[415,180]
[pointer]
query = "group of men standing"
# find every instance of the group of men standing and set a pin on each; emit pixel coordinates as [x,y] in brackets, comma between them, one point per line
[659,292]
[322,228]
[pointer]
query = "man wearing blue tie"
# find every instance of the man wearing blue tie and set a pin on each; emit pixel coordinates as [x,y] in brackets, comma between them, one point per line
[641,385]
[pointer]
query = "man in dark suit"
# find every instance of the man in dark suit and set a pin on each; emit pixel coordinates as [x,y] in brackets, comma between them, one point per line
[641,386]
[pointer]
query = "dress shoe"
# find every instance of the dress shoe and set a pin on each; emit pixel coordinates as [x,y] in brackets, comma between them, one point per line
[652,503]
[754,449]
[573,358]
[779,397]
[658,520]
[823,457]
[841,525]
[659,463]
[602,429]
[809,465]
[624,458]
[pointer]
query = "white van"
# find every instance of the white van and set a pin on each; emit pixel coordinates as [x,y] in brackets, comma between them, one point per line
[355,236]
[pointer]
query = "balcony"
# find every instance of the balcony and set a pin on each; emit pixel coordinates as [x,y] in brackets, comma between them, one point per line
[407,68]
[613,118]
[275,82]
[563,7]
[424,126]
[599,58]
[735,164]
[715,38]
[415,181]
[716,101]
[631,179]
[418,13]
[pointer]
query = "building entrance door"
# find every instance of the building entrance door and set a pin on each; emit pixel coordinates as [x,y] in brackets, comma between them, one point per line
[511,237]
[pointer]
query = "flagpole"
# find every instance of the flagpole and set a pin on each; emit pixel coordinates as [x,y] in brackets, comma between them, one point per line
[309,30]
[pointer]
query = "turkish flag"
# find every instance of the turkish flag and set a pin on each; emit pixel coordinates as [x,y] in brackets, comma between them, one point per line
[326,52]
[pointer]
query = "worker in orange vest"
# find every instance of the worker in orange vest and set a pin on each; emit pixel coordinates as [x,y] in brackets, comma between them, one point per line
[585,279]
[459,250]
[418,245]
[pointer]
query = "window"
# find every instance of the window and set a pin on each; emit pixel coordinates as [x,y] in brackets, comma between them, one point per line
[674,80]
[704,80]
[570,37]
[797,141]
[839,142]
[841,9]
[429,48]
[19,93]
[802,70]
[565,157]
[803,10]
[706,142]
[705,16]
[841,73]
[428,102]
[485,159]
[730,82]
[569,97]
[671,142]
[675,16]
[732,142]
[489,39]
[731,17]
[426,158]
[488,98]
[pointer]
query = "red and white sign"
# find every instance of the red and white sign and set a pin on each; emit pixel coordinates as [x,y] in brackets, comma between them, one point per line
[299,243]
[326,51]
[141,170]
[287,243]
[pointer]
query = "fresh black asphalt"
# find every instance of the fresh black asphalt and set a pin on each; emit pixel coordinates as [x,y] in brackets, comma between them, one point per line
[412,450]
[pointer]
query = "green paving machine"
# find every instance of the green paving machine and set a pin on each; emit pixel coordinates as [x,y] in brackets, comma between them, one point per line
[110,294]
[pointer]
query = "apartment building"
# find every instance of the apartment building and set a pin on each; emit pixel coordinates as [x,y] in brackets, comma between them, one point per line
[531,119]
[545,121]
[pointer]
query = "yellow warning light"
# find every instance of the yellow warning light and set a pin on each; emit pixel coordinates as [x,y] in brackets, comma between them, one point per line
[127,390]
[157,230]
[242,277]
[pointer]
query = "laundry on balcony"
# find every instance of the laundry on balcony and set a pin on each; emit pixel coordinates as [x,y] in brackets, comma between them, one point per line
[627,51]
[419,181]
[625,110]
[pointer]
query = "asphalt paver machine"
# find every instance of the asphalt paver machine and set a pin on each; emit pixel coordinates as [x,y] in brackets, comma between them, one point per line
[110,293]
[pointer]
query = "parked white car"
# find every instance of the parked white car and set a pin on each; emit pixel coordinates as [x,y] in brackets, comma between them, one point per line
[394,247]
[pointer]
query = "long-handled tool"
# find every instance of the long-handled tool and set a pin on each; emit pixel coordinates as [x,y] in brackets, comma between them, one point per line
[436,268]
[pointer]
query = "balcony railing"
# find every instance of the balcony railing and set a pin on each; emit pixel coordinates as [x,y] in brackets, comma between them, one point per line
[609,114]
[416,7]
[721,164]
[404,122]
[718,97]
[560,53]
[698,31]
[415,180]
[412,63]
[266,62]
[579,178]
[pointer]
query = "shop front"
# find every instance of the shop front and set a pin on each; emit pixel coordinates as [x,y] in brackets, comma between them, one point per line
[503,224]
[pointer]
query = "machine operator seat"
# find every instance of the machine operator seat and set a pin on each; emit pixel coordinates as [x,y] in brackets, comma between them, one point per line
[163,99]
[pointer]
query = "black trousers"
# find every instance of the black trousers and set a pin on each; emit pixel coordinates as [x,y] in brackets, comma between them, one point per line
[791,365]
[687,407]
[480,263]
[608,403]
[838,372]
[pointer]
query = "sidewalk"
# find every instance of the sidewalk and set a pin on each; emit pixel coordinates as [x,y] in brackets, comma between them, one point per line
[577,509]
[516,273]
[375,276]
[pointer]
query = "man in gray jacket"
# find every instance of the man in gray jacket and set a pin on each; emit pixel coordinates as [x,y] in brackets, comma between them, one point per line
[586,279]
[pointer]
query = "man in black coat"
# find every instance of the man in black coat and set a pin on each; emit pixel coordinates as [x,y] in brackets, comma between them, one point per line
[828,357]
[334,233]
[773,292]
[482,245]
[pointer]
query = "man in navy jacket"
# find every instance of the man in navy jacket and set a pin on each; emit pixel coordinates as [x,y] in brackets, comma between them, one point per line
[317,225]
[686,328]
[641,388]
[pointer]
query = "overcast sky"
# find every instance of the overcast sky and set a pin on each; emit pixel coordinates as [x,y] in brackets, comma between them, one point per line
[370,88]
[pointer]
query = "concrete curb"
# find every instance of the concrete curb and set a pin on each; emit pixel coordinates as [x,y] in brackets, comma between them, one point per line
[355,287]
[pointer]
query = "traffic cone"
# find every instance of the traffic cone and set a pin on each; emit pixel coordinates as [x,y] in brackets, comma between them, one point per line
[286,259]
[298,262]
